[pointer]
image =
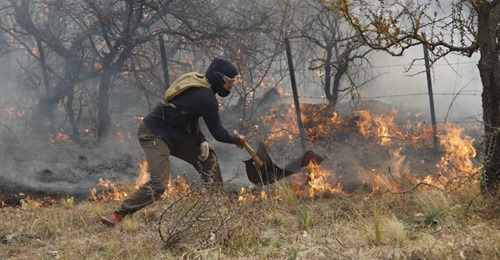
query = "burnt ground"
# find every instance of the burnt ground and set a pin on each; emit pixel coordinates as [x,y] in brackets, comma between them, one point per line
[56,183]
[37,169]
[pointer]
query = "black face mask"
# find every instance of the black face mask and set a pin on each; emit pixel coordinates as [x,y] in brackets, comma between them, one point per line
[224,66]
[223,92]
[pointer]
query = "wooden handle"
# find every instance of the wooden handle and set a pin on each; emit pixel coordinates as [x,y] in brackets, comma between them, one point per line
[254,155]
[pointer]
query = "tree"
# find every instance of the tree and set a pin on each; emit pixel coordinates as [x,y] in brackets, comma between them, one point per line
[340,49]
[457,26]
[66,47]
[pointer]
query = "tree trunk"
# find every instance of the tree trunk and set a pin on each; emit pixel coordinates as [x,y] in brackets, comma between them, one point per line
[489,69]
[103,118]
[71,75]
[328,77]
[336,85]
[342,66]
[109,70]
[49,93]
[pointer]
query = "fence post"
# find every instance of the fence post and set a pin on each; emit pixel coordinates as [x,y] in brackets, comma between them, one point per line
[295,94]
[431,97]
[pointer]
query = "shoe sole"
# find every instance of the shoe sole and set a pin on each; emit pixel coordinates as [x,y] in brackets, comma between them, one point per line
[107,223]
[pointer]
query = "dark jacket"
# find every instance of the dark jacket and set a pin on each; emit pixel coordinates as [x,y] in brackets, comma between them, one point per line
[173,126]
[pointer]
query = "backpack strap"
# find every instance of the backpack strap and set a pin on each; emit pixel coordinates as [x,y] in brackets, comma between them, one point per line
[185,81]
[182,111]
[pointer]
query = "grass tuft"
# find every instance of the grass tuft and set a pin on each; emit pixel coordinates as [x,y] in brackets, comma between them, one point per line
[434,206]
[383,231]
[288,195]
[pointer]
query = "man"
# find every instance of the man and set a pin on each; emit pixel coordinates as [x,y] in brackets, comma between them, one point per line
[172,128]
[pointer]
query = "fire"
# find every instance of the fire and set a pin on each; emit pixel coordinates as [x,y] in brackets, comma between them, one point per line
[284,126]
[320,181]
[175,186]
[13,112]
[143,174]
[123,135]
[35,51]
[60,136]
[404,158]
[283,122]
[119,192]
[459,149]
[321,122]
[111,191]
[400,157]
[10,111]
[382,127]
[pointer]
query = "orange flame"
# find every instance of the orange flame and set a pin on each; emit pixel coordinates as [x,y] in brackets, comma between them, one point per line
[119,192]
[400,138]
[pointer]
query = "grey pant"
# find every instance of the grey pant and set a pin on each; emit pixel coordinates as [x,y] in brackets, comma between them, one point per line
[157,153]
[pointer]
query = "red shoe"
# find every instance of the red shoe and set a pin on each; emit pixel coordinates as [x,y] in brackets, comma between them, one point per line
[112,219]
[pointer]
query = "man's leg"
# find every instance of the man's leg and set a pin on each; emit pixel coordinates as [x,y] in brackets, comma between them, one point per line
[157,153]
[209,169]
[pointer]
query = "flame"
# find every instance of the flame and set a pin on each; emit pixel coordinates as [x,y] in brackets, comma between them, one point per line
[119,192]
[13,112]
[459,149]
[283,122]
[10,111]
[399,141]
[394,168]
[382,127]
[143,174]
[35,51]
[60,136]
[111,191]
[123,135]
[320,181]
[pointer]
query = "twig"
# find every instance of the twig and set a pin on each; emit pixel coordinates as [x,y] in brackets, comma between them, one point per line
[390,173]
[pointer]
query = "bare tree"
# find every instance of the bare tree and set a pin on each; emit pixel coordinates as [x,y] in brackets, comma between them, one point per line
[340,50]
[58,78]
[458,26]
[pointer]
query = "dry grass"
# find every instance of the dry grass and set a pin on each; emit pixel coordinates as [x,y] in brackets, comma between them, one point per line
[417,225]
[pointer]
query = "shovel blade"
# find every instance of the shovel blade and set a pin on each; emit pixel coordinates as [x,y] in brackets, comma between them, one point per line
[269,173]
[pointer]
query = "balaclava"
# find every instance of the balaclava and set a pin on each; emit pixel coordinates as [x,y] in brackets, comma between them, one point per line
[224,66]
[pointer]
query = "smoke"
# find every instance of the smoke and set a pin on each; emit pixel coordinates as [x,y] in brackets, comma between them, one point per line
[455,82]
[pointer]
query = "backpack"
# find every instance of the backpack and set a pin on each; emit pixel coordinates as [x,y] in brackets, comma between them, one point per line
[185,81]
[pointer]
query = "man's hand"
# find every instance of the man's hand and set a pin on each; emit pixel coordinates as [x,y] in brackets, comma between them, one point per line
[241,142]
[204,151]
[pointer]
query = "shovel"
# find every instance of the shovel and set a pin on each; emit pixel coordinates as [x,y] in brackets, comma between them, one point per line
[262,171]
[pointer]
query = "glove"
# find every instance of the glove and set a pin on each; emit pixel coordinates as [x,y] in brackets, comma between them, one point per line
[241,142]
[204,151]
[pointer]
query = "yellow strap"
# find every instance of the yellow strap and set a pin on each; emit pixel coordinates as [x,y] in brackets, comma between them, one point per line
[185,81]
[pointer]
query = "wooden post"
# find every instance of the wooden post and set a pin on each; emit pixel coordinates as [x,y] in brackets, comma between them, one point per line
[431,97]
[295,94]
[164,61]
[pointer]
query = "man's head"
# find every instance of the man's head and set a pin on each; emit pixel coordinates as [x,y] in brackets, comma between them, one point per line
[221,74]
